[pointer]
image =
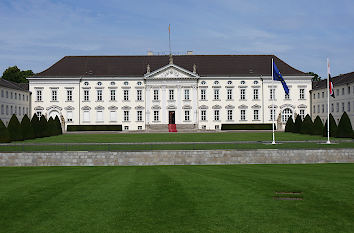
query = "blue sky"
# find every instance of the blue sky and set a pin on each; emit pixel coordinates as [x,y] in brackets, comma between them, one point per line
[34,34]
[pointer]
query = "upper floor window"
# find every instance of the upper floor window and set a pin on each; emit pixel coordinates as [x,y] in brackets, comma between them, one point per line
[156,94]
[99,83]
[242,94]
[255,82]
[203,83]
[171,95]
[113,95]
[302,94]
[126,83]
[126,95]
[343,91]
[216,82]
[86,95]
[69,95]
[39,95]
[113,83]
[287,96]
[139,95]
[16,95]
[186,94]
[229,82]
[203,94]
[86,83]
[348,90]
[139,83]
[348,106]
[322,94]
[255,94]
[243,82]
[216,94]
[229,94]
[99,95]
[272,93]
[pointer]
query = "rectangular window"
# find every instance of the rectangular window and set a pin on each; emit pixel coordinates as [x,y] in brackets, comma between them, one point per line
[69,116]
[348,90]
[113,115]
[322,94]
[229,94]
[337,92]
[314,109]
[139,115]
[140,127]
[322,108]
[343,91]
[86,95]
[186,94]
[348,106]
[39,95]
[139,95]
[256,114]
[337,107]
[255,94]
[314,96]
[186,115]
[302,113]
[332,107]
[343,110]
[126,95]
[272,114]
[318,95]
[126,116]
[318,109]
[99,95]
[216,115]
[99,116]
[86,116]
[203,115]
[203,94]
[126,127]
[156,115]
[242,94]
[54,95]
[271,93]
[69,95]
[229,115]
[287,96]
[216,94]
[171,95]
[113,95]
[39,114]
[156,94]
[243,115]
[15,96]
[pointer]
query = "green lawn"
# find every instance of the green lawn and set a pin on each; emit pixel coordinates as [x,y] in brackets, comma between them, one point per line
[237,198]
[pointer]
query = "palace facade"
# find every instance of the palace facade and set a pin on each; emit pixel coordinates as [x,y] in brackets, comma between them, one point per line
[150,92]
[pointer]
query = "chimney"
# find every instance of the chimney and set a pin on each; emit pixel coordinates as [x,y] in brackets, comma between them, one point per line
[190,52]
[150,53]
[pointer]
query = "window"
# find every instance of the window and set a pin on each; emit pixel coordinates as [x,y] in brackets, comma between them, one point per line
[156,115]
[186,115]
[203,83]
[286,114]
[156,94]
[15,109]
[99,83]
[7,110]
[337,107]
[69,95]
[16,95]
[69,116]
[126,95]
[19,110]
[314,96]
[229,82]
[126,127]
[139,83]
[243,82]
[322,108]
[256,114]
[2,93]
[203,115]
[39,95]
[2,109]
[139,115]
[216,82]
[302,94]
[113,83]
[86,83]
[140,127]
[216,94]
[318,95]
[12,110]
[126,83]
[272,114]
[348,90]
[39,114]
[348,106]
[302,113]
[287,96]
[332,107]
[229,94]
[318,108]
[99,116]
[342,91]
[99,95]
[255,82]
[272,94]
[113,115]
[322,94]
[337,92]
[217,126]
[7,94]
[139,95]
[229,115]
[54,95]
[11,94]
[113,95]
[243,94]
[86,116]
[314,108]
[126,116]
[186,94]
[243,115]
[343,107]
[216,115]
[203,94]
[255,94]
[86,95]
[171,95]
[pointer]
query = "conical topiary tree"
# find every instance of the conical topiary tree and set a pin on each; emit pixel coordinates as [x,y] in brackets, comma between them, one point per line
[43,127]
[307,125]
[52,127]
[317,126]
[14,129]
[58,125]
[27,130]
[344,129]
[4,133]
[35,125]
[298,124]
[289,127]
[332,127]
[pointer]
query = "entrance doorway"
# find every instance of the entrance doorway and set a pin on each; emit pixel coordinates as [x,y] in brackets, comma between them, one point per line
[171,117]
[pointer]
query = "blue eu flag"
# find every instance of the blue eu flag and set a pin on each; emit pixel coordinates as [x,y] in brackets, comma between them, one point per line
[278,77]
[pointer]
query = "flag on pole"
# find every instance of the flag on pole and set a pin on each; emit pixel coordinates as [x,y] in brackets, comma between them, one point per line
[331,91]
[278,77]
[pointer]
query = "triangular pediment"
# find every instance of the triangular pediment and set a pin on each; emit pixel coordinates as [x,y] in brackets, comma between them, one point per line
[171,71]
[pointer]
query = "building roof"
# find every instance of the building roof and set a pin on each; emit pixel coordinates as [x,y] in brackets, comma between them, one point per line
[337,81]
[13,85]
[135,66]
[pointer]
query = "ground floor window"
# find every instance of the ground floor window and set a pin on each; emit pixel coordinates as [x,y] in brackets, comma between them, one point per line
[126,116]
[39,114]
[126,127]
[203,115]
[217,126]
[186,115]
[69,116]
[99,116]
[139,115]
[113,115]
[86,116]
[286,114]
[272,114]
[256,114]
[140,128]
[243,115]
[156,115]
[302,113]
[229,115]
[216,115]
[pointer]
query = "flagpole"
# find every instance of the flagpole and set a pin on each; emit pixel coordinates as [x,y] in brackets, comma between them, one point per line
[328,92]
[273,96]
[169,37]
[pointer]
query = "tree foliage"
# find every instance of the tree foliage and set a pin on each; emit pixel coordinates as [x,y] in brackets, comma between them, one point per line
[307,125]
[36,126]
[27,129]
[4,133]
[332,127]
[52,127]
[16,75]
[315,77]
[289,127]
[344,129]
[58,126]
[317,126]
[43,127]
[298,124]
[14,129]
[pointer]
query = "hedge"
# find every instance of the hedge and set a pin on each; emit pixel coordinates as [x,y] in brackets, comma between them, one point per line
[36,126]
[14,129]
[247,126]
[344,129]
[4,133]
[58,126]
[94,128]
[43,127]
[307,125]
[27,129]
[317,126]
[52,127]
[298,124]
[289,127]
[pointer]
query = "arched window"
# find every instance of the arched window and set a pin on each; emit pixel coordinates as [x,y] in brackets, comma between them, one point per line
[86,83]
[99,83]
[229,82]
[243,82]
[286,114]
[126,83]
[216,82]
[203,82]
[113,83]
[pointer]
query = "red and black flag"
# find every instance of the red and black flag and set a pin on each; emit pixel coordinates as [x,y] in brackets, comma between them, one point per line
[331,90]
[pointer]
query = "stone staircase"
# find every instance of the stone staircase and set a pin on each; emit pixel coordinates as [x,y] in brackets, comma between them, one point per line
[164,128]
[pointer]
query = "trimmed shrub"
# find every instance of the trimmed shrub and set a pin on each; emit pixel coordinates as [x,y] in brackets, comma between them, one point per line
[36,126]
[317,126]
[43,127]
[332,127]
[307,125]
[58,126]
[27,130]
[344,129]
[94,128]
[4,133]
[289,127]
[52,127]
[298,124]
[14,129]
[247,126]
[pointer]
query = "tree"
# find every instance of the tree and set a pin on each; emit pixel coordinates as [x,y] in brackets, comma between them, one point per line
[14,74]
[344,129]
[36,126]
[4,133]
[307,125]
[27,129]
[289,127]
[317,126]
[14,129]
[58,125]
[52,127]
[332,127]
[315,77]
[298,124]
[43,127]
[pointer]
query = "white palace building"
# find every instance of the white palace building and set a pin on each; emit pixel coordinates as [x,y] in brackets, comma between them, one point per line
[150,92]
